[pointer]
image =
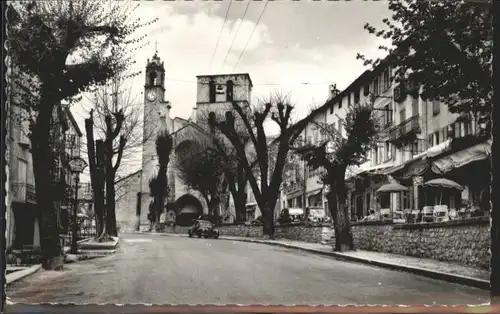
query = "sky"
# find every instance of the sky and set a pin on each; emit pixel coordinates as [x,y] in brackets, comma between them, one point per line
[297,48]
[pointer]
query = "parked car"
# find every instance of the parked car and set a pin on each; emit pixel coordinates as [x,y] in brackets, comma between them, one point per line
[317,215]
[203,228]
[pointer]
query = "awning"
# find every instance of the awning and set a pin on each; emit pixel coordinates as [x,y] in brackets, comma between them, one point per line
[294,194]
[439,149]
[392,188]
[443,183]
[314,193]
[378,169]
[461,158]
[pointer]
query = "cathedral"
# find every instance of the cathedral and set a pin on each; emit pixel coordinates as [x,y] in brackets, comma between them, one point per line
[215,93]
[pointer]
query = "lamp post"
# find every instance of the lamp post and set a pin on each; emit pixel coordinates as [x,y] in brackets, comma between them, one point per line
[76,166]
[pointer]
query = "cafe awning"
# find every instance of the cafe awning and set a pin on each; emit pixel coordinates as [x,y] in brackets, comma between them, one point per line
[461,158]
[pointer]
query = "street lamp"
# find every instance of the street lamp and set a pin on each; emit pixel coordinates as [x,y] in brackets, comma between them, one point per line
[76,166]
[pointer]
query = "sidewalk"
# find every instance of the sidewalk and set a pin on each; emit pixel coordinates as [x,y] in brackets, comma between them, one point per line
[446,271]
[15,273]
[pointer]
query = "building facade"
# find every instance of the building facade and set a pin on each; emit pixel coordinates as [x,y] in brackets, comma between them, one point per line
[419,140]
[215,93]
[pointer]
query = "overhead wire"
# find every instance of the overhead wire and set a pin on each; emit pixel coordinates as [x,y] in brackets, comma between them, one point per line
[255,27]
[220,34]
[237,30]
[257,84]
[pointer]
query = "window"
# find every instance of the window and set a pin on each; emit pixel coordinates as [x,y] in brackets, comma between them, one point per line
[444,131]
[229,90]
[402,115]
[386,80]
[334,125]
[467,127]
[436,108]
[366,89]
[339,127]
[357,96]
[416,148]
[211,91]
[340,104]
[436,138]
[22,171]
[349,99]
[405,200]
[331,108]
[414,106]
[430,140]
[388,150]
[387,114]
[375,153]
[376,91]
[152,78]
[385,200]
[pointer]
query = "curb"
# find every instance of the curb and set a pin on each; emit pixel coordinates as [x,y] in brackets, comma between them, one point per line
[468,281]
[99,246]
[17,275]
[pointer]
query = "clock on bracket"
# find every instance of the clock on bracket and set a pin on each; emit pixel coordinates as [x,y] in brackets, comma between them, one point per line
[151,96]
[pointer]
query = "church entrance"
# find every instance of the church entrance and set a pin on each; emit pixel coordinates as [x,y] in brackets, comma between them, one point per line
[188,208]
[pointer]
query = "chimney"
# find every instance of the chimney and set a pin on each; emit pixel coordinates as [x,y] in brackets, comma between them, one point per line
[332,91]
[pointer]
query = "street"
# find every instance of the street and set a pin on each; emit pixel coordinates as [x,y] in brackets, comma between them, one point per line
[163,269]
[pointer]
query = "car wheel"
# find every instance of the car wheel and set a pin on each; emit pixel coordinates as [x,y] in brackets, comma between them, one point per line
[199,234]
[190,234]
[206,236]
[216,236]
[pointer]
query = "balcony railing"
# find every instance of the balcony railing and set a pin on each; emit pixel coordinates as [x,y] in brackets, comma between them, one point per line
[293,187]
[23,192]
[405,128]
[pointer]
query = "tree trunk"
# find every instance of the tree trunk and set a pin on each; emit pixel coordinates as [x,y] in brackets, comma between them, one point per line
[339,211]
[91,155]
[110,200]
[52,256]
[110,190]
[99,193]
[268,222]
[239,199]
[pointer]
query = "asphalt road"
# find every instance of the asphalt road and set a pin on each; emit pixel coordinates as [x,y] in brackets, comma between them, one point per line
[162,269]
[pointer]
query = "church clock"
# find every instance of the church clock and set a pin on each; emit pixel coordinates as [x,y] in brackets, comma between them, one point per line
[151,96]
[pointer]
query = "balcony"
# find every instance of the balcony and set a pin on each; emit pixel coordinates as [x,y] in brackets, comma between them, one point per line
[403,132]
[23,192]
[294,187]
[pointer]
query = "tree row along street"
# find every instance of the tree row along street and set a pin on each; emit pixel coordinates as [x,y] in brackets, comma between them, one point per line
[232,151]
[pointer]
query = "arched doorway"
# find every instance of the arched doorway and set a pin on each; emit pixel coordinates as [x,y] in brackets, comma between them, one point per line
[187,208]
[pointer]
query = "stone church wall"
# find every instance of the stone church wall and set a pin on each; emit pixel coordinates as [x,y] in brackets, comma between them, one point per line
[126,201]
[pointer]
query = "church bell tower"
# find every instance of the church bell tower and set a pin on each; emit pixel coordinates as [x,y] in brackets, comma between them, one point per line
[156,120]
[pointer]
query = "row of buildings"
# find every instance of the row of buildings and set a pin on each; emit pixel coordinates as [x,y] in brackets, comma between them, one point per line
[22,213]
[419,140]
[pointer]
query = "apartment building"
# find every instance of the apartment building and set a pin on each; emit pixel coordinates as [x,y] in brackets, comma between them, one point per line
[419,140]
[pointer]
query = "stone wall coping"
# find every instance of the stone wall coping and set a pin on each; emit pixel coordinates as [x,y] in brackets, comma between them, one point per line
[452,223]
[373,223]
[300,224]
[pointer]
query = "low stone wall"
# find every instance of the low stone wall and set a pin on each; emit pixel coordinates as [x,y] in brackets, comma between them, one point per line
[463,241]
[299,232]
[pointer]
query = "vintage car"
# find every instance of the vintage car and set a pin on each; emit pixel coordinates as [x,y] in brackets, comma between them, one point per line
[203,228]
[316,216]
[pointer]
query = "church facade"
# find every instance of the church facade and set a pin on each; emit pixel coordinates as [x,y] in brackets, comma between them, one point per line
[215,93]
